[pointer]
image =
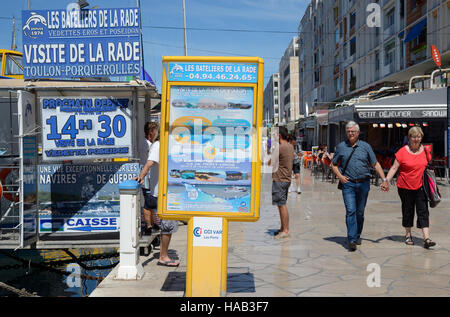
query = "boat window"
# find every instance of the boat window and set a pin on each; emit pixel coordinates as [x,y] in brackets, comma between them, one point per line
[13,65]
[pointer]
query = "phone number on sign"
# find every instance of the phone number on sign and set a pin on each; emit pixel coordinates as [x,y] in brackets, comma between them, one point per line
[236,77]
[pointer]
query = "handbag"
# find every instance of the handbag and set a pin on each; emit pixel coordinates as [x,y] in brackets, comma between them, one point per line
[345,167]
[430,186]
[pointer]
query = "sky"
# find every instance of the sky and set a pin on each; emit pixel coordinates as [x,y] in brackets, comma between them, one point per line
[224,27]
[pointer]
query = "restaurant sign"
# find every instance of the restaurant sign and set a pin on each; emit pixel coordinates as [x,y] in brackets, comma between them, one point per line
[402,114]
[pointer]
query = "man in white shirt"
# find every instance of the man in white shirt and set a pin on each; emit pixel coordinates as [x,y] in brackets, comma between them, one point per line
[151,170]
[149,203]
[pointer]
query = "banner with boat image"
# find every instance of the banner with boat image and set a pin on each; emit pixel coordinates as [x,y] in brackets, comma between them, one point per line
[81,197]
[210,148]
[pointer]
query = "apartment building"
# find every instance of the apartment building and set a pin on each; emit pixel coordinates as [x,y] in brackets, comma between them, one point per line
[289,85]
[271,107]
[346,47]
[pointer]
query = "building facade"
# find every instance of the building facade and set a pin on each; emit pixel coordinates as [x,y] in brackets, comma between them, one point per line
[289,85]
[271,108]
[350,47]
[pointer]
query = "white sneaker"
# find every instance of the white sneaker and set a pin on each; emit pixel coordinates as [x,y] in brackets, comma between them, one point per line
[299,191]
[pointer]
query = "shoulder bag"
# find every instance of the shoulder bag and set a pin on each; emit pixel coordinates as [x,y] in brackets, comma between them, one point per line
[345,167]
[429,184]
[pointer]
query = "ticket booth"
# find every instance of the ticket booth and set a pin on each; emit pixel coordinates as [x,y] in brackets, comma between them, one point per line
[71,145]
[211,147]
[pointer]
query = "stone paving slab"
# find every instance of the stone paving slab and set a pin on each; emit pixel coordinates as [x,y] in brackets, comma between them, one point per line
[315,260]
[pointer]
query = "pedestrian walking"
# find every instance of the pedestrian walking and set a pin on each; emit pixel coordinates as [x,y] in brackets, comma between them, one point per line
[296,164]
[411,160]
[281,180]
[355,158]
[151,168]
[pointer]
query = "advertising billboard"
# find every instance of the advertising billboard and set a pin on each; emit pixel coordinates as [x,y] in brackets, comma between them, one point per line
[77,128]
[81,198]
[209,124]
[74,43]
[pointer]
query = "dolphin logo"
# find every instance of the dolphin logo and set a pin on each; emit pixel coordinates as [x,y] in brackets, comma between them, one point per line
[177,68]
[35,19]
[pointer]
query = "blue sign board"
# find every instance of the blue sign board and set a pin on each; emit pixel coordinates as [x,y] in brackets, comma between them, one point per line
[81,197]
[62,44]
[84,128]
[213,72]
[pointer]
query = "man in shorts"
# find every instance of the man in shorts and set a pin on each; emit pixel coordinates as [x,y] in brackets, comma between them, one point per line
[168,227]
[281,176]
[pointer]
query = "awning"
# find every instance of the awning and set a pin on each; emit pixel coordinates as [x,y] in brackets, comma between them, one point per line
[322,118]
[415,30]
[341,114]
[428,104]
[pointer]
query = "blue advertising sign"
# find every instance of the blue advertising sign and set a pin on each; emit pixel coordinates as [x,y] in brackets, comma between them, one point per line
[81,197]
[77,128]
[81,43]
[213,72]
[210,149]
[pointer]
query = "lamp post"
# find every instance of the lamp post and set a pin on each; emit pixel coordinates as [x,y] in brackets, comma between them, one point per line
[184,23]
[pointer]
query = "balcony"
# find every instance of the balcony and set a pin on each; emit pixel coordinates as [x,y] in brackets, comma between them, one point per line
[418,54]
[336,69]
[352,83]
[389,31]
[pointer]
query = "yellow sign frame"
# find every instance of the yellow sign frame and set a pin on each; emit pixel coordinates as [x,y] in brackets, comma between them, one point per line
[258,89]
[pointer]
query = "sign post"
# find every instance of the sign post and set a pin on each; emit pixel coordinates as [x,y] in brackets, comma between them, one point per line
[211,109]
[436,55]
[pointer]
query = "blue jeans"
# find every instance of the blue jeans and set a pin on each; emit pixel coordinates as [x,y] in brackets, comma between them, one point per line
[355,199]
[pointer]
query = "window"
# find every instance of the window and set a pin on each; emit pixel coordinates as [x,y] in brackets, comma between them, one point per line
[13,65]
[317,75]
[352,19]
[389,56]
[377,61]
[416,4]
[337,86]
[421,39]
[286,72]
[389,19]
[287,99]
[287,85]
[353,46]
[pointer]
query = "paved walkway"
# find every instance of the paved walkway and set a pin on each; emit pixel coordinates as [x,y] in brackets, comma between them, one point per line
[315,260]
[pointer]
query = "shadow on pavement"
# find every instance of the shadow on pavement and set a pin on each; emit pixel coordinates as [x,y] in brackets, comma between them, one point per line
[236,282]
[397,238]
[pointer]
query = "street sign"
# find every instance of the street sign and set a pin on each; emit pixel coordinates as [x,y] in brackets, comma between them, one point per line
[436,55]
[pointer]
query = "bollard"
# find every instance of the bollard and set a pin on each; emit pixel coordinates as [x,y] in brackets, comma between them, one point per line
[129,266]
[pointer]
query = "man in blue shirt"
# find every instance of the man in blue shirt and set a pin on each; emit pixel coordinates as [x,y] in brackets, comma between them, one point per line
[355,157]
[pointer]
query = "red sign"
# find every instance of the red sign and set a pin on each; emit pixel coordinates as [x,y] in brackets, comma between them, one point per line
[436,55]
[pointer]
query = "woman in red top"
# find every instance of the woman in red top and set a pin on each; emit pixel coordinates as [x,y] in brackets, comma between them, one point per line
[412,159]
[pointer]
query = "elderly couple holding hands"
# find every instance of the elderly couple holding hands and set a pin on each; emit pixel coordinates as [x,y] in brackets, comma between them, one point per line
[351,164]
